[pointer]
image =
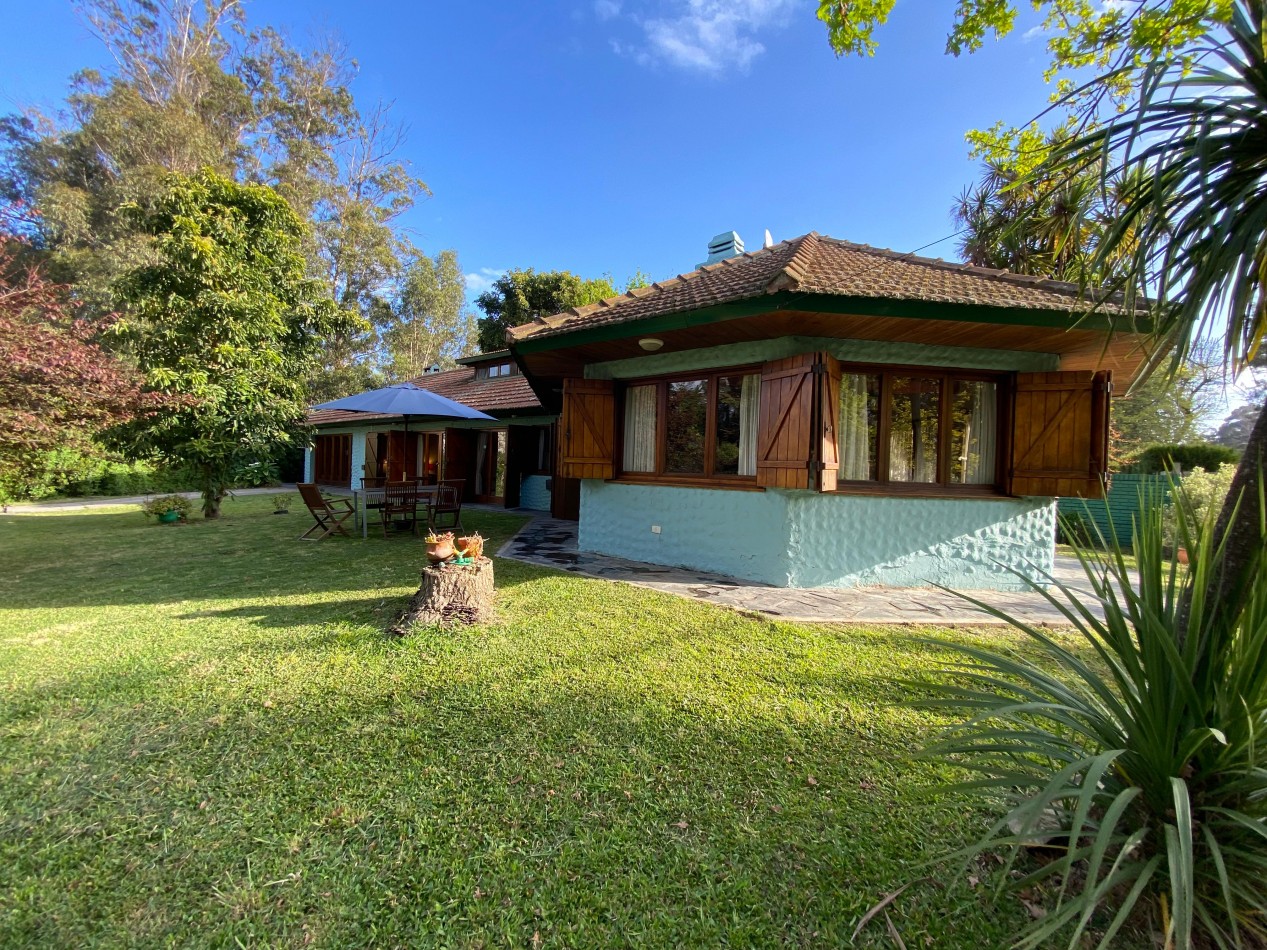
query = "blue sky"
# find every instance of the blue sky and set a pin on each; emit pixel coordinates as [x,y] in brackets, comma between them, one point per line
[617,135]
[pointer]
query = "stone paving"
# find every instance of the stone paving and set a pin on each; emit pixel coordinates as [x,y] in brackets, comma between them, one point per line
[552,543]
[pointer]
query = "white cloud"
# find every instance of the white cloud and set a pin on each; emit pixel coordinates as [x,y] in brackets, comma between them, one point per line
[606,9]
[479,281]
[709,36]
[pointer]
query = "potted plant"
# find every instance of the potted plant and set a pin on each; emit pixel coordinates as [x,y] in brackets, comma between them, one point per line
[439,546]
[472,546]
[168,509]
[281,504]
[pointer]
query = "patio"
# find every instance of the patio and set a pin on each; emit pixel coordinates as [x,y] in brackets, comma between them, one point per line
[552,543]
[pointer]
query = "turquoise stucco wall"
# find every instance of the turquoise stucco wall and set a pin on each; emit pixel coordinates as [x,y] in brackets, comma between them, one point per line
[533,492]
[803,539]
[308,465]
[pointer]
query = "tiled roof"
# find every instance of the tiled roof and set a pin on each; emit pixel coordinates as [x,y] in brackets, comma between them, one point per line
[817,264]
[504,394]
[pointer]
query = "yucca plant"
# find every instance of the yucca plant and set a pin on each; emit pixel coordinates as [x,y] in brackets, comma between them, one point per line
[1134,753]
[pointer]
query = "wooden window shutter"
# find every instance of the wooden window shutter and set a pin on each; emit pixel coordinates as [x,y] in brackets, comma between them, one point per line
[1060,434]
[588,426]
[828,403]
[796,433]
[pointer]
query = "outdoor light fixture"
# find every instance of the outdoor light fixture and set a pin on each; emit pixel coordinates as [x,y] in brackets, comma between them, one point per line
[650,344]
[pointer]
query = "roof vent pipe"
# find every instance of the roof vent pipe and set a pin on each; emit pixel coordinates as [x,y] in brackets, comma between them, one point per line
[725,245]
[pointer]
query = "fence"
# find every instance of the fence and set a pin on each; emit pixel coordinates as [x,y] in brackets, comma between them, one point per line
[1127,496]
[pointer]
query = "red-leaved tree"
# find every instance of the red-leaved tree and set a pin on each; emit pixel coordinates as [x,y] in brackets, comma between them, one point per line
[57,386]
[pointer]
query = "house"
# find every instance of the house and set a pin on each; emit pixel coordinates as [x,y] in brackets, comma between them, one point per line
[507,462]
[826,414]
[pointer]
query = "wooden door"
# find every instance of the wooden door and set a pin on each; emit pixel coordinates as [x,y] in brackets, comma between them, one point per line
[459,459]
[490,467]
[401,463]
[332,460]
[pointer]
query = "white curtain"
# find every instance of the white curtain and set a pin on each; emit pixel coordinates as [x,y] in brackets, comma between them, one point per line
[853,432]
[749,410]
[980,435]
[640,412]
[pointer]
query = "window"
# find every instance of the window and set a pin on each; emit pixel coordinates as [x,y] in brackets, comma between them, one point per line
[701,426]
[918,427]
[495,371]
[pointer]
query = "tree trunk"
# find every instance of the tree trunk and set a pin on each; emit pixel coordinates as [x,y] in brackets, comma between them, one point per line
[1242,534]
[450,593]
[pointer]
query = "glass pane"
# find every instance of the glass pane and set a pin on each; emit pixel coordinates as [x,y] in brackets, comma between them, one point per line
[859,427]
[640,413]
[974,429]
[685,426]
[729,424]
[913,429]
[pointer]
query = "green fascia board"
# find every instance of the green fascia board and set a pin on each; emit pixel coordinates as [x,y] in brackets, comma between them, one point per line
[832,303]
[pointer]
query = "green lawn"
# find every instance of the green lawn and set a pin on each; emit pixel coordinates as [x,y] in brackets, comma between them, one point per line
[206,739]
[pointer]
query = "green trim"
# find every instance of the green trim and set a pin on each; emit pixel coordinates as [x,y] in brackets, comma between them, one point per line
[482,358]
[827,303]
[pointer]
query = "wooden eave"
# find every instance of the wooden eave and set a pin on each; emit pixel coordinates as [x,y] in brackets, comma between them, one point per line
[1091,342]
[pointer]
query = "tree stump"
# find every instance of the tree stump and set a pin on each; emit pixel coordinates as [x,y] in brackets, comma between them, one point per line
[450,593]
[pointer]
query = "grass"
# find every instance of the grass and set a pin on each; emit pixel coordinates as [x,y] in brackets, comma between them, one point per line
[207,740]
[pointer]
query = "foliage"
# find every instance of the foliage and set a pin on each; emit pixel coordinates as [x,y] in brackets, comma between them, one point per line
[601,760]
[1235,430]
[193,86]
[1189,456]
[1075,528]
[429,324]
[153,507]
[228,322]
[1149,761]
[255,473]
[1099,54]
[1205,491]
[76,472]
[56,383]
[283,501]
[520,296]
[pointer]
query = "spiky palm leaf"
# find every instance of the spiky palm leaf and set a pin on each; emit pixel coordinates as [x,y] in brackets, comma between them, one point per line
[1148,752]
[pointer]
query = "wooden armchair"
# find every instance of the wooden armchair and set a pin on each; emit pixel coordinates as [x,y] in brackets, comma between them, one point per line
[400,500]
[447,506]
[329,513]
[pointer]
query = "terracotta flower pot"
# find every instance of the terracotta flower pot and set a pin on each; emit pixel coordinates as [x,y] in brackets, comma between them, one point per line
[441,550]
[471,547]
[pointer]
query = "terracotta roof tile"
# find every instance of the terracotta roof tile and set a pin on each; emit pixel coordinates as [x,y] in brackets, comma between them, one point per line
[505,394]
[817,264]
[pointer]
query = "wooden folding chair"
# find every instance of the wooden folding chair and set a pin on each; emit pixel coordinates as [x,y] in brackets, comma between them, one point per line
[325,512]
[447,505]
[400,499]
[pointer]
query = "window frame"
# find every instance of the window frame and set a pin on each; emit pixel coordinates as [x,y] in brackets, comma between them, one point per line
[661,477]
[943,487]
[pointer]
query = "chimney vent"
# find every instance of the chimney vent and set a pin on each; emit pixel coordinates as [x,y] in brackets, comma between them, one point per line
[722,246]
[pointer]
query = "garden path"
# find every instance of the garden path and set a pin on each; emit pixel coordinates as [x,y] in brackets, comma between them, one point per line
[552,543]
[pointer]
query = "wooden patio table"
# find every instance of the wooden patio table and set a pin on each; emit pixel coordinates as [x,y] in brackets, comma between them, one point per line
[361,498]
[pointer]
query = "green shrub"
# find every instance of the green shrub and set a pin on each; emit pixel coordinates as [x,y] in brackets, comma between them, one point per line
[1143,771]
[1189,456]
[153,507]
[1075,527]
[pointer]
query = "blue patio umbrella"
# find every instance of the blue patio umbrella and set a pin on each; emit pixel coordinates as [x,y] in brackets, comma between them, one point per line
[407,400]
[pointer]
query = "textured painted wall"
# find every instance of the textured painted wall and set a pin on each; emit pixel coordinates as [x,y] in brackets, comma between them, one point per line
[308,462]
[855,540]
[731,532]
[802,539]
[856,351]
[533,492]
